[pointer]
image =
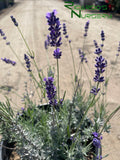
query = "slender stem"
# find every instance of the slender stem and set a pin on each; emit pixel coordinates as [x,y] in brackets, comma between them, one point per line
[36,90]
[58,78]
[84,44]
[30,53]
[25,41]
[106,83]
[47,58]
[17,56]
[73,61]
[109,117]
[85,114]
[73,101]
[89,69]
[112,68]
[87,75]
[23,66]
[37,84]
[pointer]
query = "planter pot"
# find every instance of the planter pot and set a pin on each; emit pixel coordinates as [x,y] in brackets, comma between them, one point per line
[5,153]
[11,2]
[6,3]
[1,4]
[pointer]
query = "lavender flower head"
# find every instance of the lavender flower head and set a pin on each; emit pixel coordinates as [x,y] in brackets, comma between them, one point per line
[97,140]
[51,90]
[2,33]
[54,23]
[8,61]
[94,90]
[86,28]
[14,21]
[119,47]
[100,65]
[57,53]
[98,51]
[27,60]
[99,157]
[82,56]
[23,109]
[4,37]
[102,35]
[65,30]
[47,42]
[118,50]
[95,43]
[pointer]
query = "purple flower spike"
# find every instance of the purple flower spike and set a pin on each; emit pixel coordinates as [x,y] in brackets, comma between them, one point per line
[57,54]
[7,43]
[102,35]
[22,109]
[54,23]
[65,30]
[98,51]
[47,42]
[27,60]
[101,63]
[99,158]
[94,90]
[4,37]
[2,33]
[119,47]
[118,50]
[61,101]
[96,139]
[82,56]
[14,21]
[50,90]
[8,61]
[95,134]
[86,28]
[96,142]
[95,43]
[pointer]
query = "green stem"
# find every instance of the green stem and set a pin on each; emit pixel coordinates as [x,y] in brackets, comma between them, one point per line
[30,54]
[85,115]
[23,65]
[73,61]
[25,41]
[112,68]
[47,58]
[58,78]
[37,84]
[86,112]
[17,56]
[87,75]
[109,117]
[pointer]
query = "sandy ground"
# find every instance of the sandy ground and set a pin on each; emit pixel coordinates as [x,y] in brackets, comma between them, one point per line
[31,17]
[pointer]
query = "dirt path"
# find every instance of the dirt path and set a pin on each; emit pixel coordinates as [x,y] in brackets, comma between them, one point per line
[30,15]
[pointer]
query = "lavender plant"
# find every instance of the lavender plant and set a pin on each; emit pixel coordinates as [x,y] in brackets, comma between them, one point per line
[61,129]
